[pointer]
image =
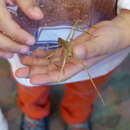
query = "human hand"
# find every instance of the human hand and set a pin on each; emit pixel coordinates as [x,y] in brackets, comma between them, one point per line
[103,40]
[13,39]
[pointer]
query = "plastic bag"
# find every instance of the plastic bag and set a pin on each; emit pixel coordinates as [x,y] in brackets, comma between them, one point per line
[59,18]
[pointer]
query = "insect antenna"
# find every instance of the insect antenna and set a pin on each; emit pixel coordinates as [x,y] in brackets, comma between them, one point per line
[95,87]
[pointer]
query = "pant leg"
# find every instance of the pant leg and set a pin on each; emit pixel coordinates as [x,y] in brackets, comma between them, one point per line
[77,105]
[34,102]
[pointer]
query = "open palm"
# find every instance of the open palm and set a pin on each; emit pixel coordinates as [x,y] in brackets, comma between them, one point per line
[105,40]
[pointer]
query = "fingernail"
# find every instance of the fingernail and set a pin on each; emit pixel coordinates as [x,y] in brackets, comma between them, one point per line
[79,52]
[36,12]
[30,41]
[24,50]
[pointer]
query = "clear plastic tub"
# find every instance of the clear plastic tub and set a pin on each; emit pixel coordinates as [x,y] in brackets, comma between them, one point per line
[59,18]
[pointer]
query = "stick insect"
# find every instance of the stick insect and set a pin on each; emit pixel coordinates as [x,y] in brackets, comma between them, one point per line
[68,53]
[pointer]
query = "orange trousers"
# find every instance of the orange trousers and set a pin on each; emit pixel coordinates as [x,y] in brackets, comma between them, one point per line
[76,106]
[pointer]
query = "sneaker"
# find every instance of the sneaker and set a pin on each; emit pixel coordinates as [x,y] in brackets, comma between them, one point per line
[83,126]
[30,124]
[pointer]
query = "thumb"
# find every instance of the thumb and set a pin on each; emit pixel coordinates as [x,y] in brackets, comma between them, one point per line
[93,47]
[30,8]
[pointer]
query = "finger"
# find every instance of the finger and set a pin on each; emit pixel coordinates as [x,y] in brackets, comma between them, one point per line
[93,61]
[5,54]
[85,49]
[55,75]
[12,46]
[96,46]
[23,72]
[30,60]
[56,60]
[38,70]
[30,8]
[10,28]
[28,72]
[41,53]
[91,41]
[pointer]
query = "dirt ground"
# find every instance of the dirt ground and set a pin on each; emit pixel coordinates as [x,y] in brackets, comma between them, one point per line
[115,115]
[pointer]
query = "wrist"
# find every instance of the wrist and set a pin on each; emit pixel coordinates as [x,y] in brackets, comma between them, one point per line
[122,21]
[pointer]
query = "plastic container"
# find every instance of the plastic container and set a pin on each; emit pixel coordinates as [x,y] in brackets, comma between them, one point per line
[59,17]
